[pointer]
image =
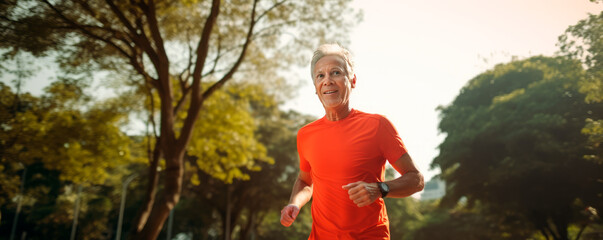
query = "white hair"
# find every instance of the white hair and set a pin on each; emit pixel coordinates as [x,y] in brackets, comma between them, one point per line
[333,49]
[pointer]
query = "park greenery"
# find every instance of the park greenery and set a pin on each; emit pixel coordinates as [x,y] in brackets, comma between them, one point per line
[216,157]
[523,141]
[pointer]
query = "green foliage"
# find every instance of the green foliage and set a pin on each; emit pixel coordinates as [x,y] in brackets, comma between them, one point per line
[278,132]
[462,223]
[584,41]
[38,202]
[271,227]
[404,217]
[514,143]
[61,140]
[226,144]
[594,131]
[82,145]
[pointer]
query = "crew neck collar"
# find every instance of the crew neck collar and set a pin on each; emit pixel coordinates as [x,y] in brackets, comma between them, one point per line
[350,115]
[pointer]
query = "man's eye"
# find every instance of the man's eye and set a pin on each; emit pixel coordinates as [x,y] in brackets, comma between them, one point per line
[336,73]
[320,75]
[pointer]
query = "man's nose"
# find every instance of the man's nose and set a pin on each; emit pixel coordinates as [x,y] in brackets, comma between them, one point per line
[328,80]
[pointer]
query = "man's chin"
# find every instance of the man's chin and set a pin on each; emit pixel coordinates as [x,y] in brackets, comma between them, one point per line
[332,104]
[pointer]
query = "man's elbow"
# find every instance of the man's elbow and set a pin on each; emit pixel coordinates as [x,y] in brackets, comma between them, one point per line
[420,182]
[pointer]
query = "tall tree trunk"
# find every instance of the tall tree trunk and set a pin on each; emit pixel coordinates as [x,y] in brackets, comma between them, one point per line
[171,196]
[149,197]
[173,145]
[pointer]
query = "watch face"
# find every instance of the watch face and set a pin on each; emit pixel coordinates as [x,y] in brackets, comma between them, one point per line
[384,189]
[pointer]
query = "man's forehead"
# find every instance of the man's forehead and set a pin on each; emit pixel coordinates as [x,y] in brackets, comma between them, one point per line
[336,58]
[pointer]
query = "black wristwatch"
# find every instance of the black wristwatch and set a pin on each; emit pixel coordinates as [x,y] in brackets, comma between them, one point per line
[383,188]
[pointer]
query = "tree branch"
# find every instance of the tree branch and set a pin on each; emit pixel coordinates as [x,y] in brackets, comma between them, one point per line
[184,87]
[185,92]
[256,35]
[270,9]
[203,46]
[120,15]
[187,69]
[202,50]
[144,42]
[234,68]
[132,57]
[84,30]
[217,58]
[149,11]
[92,13]
[152,112]
[280,25]
[139,39]
[138,65]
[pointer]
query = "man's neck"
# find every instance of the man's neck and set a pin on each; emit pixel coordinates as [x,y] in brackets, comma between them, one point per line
[336,114]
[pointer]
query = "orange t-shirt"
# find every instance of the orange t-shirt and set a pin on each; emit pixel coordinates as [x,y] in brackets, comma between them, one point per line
[337,153]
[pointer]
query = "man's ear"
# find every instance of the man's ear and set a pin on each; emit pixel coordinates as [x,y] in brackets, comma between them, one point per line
[353,81]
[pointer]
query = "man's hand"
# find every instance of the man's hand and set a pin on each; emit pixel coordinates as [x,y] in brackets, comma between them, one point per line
[289,214]
[363,194]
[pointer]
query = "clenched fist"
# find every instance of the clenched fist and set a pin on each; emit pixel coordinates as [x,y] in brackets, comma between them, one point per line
[362,193]
[289,214]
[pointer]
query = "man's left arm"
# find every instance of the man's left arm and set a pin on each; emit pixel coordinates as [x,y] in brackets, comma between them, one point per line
[410,182]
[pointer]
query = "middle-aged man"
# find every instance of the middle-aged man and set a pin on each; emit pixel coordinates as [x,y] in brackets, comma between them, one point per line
[342,159]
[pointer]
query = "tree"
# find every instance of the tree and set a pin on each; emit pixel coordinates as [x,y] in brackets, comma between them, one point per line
[53,143]
[228,152]
[161,42]
[56,129]
[584,42]
[514,144]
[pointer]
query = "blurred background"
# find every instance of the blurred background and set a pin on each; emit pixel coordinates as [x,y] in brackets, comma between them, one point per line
[178,119]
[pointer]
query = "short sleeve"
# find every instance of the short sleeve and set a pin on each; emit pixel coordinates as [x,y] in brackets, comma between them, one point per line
[390,143]
[304,165]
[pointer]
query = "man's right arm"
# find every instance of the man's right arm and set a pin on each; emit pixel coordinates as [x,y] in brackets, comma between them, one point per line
[300,195]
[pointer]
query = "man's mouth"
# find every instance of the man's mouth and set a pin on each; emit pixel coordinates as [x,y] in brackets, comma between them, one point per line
[330,92]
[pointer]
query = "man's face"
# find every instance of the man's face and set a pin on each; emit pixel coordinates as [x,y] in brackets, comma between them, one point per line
[333,86]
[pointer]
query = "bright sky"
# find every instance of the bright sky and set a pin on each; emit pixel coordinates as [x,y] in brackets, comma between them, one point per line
[412,56]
